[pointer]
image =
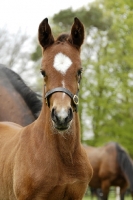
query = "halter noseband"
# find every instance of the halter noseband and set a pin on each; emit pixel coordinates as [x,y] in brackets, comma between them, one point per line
[74,97]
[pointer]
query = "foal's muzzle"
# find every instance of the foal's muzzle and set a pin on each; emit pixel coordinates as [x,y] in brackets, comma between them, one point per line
[61,122]
[62,117]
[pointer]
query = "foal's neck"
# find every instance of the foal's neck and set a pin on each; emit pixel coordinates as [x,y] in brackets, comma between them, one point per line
[64,142]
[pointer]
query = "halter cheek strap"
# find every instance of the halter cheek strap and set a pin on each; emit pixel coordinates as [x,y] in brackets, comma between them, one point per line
[74,97]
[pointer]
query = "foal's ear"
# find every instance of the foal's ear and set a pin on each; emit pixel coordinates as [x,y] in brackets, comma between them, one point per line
[44,34]
[77,33]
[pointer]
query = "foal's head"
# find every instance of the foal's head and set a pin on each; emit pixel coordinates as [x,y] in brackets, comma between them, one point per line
[61,68]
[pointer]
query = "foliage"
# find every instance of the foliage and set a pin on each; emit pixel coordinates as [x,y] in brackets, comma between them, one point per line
[12,47]
[111,96]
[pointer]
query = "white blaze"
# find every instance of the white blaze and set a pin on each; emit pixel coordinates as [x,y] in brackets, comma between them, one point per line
[62,63]
[63,84]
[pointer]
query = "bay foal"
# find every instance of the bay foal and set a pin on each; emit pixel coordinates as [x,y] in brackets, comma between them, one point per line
[45,160]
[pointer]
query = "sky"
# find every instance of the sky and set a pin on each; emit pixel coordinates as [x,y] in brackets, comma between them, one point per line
[26,15]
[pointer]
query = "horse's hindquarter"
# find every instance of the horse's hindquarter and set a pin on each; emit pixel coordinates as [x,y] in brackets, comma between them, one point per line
[104,164]
[8,146]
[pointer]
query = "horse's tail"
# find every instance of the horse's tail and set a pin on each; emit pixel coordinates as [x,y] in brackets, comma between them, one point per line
[126,164]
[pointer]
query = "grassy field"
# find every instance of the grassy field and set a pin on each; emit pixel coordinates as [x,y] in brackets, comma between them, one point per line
[111,197]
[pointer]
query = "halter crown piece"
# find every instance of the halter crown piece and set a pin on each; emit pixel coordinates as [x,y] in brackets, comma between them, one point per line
[74,97]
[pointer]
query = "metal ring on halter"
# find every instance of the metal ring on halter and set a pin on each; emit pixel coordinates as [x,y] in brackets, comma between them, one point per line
[61,89]
[75,99]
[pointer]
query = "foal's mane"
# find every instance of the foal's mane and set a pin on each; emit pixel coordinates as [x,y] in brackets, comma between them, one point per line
[30,97]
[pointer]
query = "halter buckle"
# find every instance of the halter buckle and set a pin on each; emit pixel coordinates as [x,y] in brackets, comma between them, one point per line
[75,99]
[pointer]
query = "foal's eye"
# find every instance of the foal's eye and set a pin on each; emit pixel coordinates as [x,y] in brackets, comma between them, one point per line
[79,74]
[80,71]
[43,73]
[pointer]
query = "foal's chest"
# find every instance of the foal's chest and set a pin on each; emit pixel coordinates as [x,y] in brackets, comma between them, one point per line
[73,191]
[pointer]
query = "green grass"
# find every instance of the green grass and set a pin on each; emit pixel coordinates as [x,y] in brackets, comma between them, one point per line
[111,197]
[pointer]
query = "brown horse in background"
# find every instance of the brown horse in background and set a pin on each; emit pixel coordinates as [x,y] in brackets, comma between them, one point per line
[45,160]
[18,103]
[112,166]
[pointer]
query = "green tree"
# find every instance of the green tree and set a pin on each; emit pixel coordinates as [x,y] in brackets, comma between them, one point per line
[110,86]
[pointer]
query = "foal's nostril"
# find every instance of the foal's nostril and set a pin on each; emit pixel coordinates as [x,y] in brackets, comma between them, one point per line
[53,115]
[70,116]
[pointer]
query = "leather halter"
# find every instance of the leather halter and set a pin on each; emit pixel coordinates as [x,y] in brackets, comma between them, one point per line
[74,97]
